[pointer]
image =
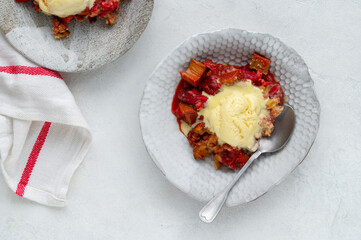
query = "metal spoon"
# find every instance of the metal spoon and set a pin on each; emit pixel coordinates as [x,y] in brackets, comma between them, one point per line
[283,124]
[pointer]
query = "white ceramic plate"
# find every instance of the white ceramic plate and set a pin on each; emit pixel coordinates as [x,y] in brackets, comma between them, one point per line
[88,47]
[170,150]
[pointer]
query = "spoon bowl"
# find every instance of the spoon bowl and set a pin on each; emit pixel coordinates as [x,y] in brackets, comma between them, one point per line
[283,128]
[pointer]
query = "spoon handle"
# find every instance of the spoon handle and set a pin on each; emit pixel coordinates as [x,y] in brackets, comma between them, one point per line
[210,211]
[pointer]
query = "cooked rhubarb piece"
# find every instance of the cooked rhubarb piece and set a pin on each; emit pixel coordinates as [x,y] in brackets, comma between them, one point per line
[189,115]
[260,63]
[182,85]
[192,97]
[231,78]
[194,73]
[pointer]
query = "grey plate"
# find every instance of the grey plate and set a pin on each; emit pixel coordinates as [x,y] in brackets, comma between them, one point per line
[89,46]
[170,150]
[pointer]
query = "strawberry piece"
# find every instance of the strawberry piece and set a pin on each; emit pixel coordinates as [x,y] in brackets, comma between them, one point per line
[260,63]
[231,157]
[95,10]
[106,5]
[210,85]
[192,97]
[259,73]
[249,74]
[270,78]
[276,91]
[194,73]
[214,67]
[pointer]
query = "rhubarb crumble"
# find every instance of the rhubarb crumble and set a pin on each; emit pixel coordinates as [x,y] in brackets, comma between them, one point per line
[65,11]
[224,109]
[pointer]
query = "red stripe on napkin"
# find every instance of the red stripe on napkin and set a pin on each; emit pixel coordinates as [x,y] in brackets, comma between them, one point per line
[32,159]
[30,71]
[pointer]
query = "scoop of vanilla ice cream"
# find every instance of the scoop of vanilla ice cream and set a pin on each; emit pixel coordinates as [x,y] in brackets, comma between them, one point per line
[64,8]
[234,115]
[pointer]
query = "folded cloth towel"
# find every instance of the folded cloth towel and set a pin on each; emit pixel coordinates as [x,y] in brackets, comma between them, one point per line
[43,135]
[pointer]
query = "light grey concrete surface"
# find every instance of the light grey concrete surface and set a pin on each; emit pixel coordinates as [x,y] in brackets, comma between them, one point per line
[118,193]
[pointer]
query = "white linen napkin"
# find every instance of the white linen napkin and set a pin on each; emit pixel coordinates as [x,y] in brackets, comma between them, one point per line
[43,135]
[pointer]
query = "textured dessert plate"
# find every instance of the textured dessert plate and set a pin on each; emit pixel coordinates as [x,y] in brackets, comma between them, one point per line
[170,150]
[88,47]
